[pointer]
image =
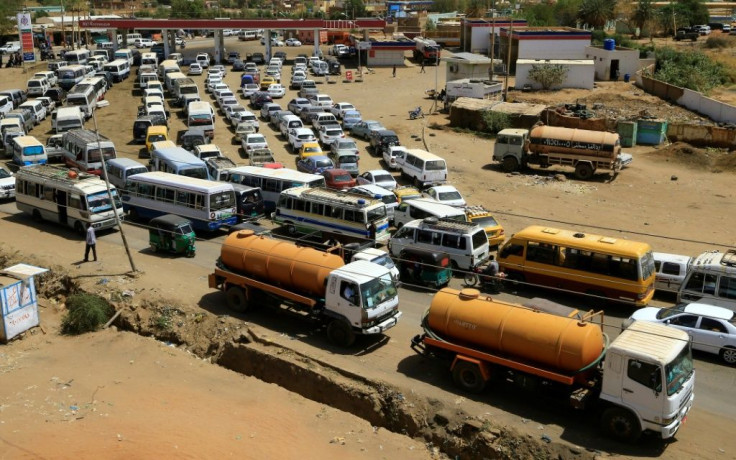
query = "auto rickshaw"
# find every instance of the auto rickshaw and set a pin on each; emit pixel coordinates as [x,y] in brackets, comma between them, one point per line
[170,233]
[429,268]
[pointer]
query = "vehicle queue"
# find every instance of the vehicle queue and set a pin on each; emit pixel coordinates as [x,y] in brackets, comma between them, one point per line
[303,203]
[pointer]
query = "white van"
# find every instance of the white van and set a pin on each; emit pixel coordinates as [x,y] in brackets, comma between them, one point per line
[670,271]
[411,210]
[36,86]
[119,69]
[149,59]
[711,280]
[289,122]
[27,150]
[6,105]
[124,54]
[119,169]
[68,118]
[422,167]
[38,109]
[466,243]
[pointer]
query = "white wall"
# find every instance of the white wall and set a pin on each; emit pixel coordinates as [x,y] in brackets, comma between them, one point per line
[552,49]
[578,75]
[480,39]
[628,61]
[480,71]
[383,58]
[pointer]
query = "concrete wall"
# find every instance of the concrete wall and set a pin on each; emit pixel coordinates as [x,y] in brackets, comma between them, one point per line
[552,49]
[628,61]
[578,75]
[551,117]
[704,136]
[480,39]
[693,100]
[479,71]
[385,58]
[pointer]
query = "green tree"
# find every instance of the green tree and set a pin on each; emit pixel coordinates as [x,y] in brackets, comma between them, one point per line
[354,9]
[676,68]
[644,14]
[475,9]
[187,9]
[444,6]
[596,12]
[566,12]
[548,75]
[695,10]
[540,14]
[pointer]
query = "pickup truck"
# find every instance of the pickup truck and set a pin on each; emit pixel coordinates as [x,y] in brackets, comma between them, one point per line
[687,34]
[10,47]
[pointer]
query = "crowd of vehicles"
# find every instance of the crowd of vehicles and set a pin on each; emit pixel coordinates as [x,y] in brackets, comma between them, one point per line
[183,191]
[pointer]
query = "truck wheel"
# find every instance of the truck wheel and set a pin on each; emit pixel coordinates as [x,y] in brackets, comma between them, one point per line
[467,376]
[37,215]
[134,215]
[620,424]
[291,229]
[728,355]
[583,171]
[340,333]
[236,300]
[79,228]
[510,164]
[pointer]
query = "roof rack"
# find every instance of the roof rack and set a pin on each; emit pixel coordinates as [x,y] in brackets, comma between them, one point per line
[476,209]
[729,258]
[58,173]
[328,196]
[447,224]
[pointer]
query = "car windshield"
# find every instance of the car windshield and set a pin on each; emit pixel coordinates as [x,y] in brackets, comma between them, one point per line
[4,174]
[446,196]
[665,313]
[389,199]
[679,371]
[311,149]
[196,172]
[342,178]
[377,291]
[256,140]
[485,221]
[384,260]
[333,132]
[322,163]
[383,178]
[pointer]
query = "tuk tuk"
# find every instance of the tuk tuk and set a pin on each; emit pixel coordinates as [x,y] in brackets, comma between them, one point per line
[170,233]
[428,268]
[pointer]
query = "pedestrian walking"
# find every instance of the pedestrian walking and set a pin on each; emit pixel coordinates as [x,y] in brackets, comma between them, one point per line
[394,73]
[91,241]
[422,69]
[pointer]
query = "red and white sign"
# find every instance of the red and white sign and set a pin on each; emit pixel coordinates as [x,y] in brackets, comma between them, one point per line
[26,37]
[349,75]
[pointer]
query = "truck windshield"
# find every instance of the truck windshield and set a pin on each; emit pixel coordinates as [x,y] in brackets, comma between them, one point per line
[203,119]
[377,291]
[100,201]
[679,370]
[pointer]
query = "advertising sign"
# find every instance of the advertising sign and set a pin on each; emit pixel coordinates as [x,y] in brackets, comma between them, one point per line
[26,37]
[348,75]
[18,301]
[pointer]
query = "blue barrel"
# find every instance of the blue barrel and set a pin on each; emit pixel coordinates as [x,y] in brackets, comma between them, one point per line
[609,44]
[627,77]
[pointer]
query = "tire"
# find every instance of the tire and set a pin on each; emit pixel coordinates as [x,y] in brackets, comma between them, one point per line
[620,424]
[37,215]
[510,164]
[583,171]
[154,248]
[471,279]
[291,229]
[236,300]
[134,215]
[467,376]
[728,355]
[79,228]
[340,333]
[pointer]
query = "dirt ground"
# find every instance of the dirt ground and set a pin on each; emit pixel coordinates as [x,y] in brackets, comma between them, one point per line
[119,394]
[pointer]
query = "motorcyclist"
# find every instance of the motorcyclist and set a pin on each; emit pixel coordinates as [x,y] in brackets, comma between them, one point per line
[492,276]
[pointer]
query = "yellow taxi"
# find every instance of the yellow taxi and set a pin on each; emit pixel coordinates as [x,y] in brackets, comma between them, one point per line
[310,149]
[156,133]
[407,192]
[483,217]
[267,81]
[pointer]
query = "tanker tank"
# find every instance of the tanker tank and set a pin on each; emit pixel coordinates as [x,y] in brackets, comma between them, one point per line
[280,263]
[512,331]
[557,140]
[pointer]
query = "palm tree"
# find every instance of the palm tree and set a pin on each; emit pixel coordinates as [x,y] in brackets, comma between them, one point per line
[643,14]
[596,12]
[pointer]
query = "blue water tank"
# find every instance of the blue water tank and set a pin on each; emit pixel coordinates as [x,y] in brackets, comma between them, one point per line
[609,44]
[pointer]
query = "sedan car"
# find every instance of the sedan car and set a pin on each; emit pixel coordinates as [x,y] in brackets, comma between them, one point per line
[238,65]
[277,91]
[292,42]
[298,136]
[339,108]
[364,128]
[296,104]
[378,177]
[344,145]
[267,108]
[220,68]
[250,88]
[350,118]
[232,112]
[259,98]
[316,164]
[712,329]
[254,141]
[232,56]
[310,149]
[339,179]
[329,134]
[296,81]
[195,68]
[258,58]
[446,194]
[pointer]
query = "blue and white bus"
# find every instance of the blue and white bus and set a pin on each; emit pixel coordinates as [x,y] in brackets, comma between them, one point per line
[176,160]
[77,57]
[346,216]
[70,75]
[273,181]
[209,205]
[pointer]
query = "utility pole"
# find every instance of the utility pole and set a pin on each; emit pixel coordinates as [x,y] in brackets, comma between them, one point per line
[493,38]
[508,60]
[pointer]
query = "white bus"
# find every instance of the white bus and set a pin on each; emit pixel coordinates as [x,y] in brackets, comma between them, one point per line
[70,75]
[124,54]
[119,69]
[347,216]
[273,181]
[57,194]
[27,150]
[247,35]
[77,57]
[85,98]
[176,160]
[209,205]
[132,37]
[98,84]
[82,150]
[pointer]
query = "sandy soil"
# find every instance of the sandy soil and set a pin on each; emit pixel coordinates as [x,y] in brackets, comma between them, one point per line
[118,394]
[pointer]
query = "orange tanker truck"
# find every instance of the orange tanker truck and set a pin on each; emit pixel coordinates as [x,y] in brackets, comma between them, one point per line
[359,298]
[641,381]
[585,150]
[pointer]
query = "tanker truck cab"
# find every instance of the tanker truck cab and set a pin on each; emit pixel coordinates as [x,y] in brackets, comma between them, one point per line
[509,148]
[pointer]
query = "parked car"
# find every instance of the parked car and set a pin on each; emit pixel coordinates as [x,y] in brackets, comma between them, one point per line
[296,104]
[276,91]
[364,128]
[338,179]
[712,328]
[238,65]
[345,145]
[249,88]
[445,194]
[267,108]
[298,136]
[351,118]
[7,184]
[232,56]
[203,59]
[379,177]
[254,141]
[389,156]
[258,58]
[339,108]
[346,160]
[292,42]
[267,81]
[329,134]
[315,164]
[242,130]
[310,149]
[381,140]
[259,98]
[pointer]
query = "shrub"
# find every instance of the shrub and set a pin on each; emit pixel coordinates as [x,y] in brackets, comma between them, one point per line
[548,75]
[86,313]
[495,121]
[717,42]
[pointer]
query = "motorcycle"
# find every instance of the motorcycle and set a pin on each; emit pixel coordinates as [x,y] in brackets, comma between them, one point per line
[482,274]
[416,113]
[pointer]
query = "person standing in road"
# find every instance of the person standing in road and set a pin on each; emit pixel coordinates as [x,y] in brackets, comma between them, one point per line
[422,69]
[394,73]
[91,243]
